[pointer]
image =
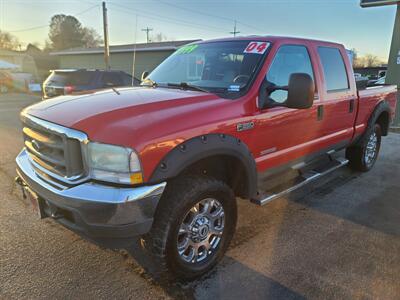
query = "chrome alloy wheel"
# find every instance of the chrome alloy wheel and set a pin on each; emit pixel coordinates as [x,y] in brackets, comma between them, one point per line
[371,149]
[201,231]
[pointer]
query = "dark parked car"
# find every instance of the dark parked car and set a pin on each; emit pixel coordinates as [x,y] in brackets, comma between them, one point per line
[63,82]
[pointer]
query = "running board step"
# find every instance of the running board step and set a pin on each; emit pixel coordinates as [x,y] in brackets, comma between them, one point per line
[303,179]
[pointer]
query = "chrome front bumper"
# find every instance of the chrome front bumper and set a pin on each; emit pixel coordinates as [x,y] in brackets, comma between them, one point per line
[92,208]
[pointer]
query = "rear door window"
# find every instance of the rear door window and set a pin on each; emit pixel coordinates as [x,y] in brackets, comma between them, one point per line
[288,60]
[334,69]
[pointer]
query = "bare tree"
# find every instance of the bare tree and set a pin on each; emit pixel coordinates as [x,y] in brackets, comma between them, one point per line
[372,60]
[368,60]
[160,37]
[8,41]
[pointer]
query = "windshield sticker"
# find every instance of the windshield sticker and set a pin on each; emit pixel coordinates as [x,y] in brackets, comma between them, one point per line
[256,47]
[234,88]
[187,49]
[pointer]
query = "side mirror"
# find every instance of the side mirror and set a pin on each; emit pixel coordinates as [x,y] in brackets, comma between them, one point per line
[144,75]
[301,91]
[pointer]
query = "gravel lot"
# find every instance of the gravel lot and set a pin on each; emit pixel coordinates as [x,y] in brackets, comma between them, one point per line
[337,238]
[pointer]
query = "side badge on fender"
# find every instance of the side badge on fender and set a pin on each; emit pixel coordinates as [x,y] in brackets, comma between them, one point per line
[244,126]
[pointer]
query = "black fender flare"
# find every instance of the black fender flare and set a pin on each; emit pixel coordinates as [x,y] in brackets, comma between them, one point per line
[382,107]
[201,147]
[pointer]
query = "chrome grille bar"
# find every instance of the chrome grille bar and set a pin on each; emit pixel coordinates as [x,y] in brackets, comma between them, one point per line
[55,151]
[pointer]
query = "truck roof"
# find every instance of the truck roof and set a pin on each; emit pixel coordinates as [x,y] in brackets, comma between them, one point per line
[272,38]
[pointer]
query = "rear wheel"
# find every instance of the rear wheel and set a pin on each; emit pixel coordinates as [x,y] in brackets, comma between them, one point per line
[193,226]
[363,156]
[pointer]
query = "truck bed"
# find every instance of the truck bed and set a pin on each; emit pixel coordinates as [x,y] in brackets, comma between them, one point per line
[368,100]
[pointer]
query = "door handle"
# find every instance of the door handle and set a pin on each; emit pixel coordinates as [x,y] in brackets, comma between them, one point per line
[320,112]
[351,105]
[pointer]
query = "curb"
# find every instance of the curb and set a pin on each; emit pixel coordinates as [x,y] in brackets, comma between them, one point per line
[395,129]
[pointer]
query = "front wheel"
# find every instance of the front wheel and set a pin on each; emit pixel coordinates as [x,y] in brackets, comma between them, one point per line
[363,156]
[193,226]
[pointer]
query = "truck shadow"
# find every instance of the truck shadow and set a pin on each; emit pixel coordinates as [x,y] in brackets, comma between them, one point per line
[370,200]
[229,280]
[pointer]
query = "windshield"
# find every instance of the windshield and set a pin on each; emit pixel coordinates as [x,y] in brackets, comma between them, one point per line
[215,66]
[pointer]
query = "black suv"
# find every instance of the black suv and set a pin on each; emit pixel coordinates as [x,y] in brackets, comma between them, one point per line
[63,82]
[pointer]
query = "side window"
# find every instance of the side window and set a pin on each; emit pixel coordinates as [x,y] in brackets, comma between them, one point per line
[334,69]
[288,60]
[112,79]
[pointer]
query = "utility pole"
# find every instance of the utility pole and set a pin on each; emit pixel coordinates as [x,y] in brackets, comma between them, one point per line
[147,30]
[106,44]
[234,32]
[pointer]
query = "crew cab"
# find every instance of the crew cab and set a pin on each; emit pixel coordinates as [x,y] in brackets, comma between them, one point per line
[239,118]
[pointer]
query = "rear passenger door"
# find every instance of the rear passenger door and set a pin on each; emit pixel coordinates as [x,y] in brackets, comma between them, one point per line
[339,97]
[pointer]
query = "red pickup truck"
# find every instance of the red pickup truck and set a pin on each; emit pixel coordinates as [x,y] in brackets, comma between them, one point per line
[251,117]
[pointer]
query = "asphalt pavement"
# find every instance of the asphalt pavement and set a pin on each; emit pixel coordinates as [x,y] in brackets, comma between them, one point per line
[338,238]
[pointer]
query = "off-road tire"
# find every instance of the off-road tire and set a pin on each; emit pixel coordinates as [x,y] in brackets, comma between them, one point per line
[180,195]
[356,153]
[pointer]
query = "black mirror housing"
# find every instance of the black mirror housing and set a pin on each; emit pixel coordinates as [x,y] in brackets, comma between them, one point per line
[144,75]
[301,91]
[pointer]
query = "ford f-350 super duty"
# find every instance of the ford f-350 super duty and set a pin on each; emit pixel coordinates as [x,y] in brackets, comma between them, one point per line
[251,117]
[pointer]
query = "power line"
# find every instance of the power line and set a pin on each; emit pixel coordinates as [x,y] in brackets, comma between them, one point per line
[47,25]
[151,15]
[195,11]
[210,15]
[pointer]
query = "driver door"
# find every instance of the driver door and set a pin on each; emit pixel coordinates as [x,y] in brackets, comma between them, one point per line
[287,135]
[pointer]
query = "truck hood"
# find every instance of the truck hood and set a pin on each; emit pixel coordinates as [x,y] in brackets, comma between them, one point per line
[113,116]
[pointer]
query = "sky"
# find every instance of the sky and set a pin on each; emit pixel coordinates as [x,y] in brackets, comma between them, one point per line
[368,30]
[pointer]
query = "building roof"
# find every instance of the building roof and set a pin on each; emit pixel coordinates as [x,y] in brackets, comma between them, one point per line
[6,52]
[159,46]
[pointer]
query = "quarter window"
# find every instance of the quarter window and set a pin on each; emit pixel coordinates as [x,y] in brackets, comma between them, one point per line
[288,60]
[334,69]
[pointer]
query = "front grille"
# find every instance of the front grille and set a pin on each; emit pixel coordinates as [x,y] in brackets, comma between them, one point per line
[55,151]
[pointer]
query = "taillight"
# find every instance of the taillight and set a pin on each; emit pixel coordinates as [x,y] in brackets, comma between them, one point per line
[68,89]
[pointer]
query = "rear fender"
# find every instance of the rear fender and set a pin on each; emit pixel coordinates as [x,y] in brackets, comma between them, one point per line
[382,107]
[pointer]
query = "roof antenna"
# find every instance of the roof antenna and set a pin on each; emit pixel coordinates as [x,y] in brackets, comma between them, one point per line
[134,52]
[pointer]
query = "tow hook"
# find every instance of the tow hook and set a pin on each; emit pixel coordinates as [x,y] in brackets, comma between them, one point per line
[18,180]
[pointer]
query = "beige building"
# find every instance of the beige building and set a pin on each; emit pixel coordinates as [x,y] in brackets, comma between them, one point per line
[148,56]
[25,62]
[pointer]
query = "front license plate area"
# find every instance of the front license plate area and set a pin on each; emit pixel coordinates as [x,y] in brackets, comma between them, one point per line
[36,202]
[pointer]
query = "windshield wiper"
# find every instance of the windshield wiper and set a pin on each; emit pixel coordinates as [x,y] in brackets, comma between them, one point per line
[187,86]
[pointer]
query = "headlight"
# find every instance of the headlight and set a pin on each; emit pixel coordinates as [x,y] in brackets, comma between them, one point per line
[114,164]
